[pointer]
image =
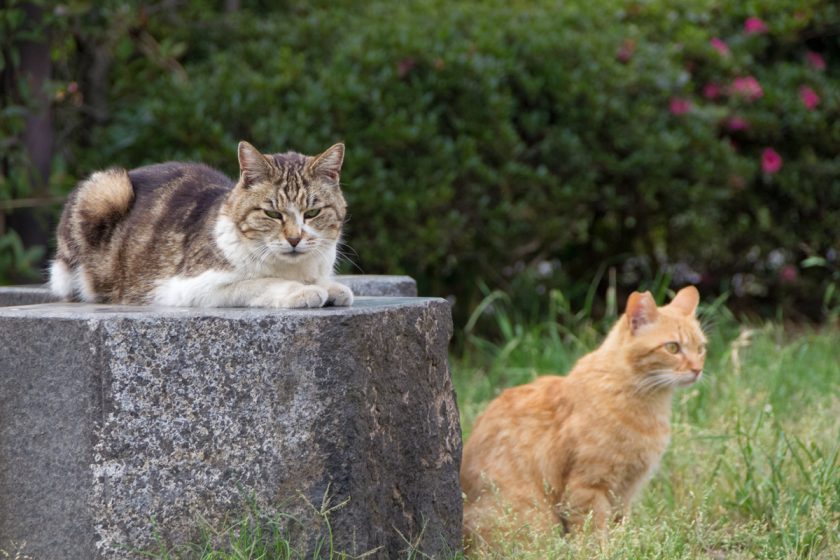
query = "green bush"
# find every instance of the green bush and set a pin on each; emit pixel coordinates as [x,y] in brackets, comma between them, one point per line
[506,140]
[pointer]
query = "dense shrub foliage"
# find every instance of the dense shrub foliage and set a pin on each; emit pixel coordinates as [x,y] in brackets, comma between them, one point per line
[525,142]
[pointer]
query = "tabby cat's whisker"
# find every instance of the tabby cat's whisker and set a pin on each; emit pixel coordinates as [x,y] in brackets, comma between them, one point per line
[344,257]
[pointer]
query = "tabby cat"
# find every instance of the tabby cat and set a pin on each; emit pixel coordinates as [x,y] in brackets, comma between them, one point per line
[184,234]
[559,449]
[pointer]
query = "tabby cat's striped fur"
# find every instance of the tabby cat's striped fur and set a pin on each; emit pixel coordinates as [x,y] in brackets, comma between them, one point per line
[184,234]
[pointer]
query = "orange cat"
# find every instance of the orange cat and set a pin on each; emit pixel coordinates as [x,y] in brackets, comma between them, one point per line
[555,450]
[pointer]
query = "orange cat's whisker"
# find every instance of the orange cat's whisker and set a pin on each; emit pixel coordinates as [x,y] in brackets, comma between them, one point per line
[657,381]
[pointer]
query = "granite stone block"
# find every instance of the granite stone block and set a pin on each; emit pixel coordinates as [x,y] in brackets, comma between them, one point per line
[111,416]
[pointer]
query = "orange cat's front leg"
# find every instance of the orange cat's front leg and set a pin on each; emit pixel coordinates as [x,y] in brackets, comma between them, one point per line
[582,501]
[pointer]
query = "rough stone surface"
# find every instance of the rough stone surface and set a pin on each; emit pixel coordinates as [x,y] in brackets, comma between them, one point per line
[380,285]
[361,284]
[111,415]
[25,295]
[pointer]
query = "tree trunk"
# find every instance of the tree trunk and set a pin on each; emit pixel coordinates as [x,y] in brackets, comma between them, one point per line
[31,224]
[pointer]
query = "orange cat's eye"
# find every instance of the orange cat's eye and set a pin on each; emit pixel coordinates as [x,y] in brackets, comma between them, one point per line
[672,347]
[273,214]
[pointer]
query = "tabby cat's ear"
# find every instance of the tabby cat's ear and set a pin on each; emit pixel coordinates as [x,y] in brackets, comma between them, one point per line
[686,301]
[328,164]
[641,310]
[253,167]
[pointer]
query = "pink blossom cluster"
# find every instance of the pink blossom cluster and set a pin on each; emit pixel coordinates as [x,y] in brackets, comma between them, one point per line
[720,46]
[809,97]
[712,90]
[736,124]
[815,60]
[755,26]
[679,106]
[771,161]
[747,88]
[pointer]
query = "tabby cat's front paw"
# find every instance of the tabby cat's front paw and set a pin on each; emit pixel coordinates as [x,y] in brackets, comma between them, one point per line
[307,296]
[292,296]
[339,295]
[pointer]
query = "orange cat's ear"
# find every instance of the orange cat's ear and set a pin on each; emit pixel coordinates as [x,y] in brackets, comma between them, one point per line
[328,164]
[641,310]
[686,300]
[253,167]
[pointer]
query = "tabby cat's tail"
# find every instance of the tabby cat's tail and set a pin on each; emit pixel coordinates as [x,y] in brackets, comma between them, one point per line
[91,214]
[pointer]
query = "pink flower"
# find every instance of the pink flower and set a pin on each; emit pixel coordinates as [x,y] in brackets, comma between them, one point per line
[712,91]
[679,106]
[788,274]
[809,97]
[720,46]
[754,26]
[815,60]
[625,52]
[405,66]
[747,87]
[771,161]
[737,123]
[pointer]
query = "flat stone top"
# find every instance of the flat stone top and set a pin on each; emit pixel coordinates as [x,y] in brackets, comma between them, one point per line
[374,277]
[378,285]
[27,288]
[90,311]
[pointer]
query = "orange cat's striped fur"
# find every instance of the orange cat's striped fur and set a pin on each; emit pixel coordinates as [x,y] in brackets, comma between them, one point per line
[561,448]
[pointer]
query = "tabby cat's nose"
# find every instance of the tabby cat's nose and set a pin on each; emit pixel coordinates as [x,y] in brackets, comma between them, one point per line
[293,241]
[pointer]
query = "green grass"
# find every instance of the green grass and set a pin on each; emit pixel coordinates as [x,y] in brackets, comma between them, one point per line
[753,468]
[258,536]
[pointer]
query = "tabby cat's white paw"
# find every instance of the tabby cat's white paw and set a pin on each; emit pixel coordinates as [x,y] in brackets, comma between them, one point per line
[291,297]
[339,295]
[307,296]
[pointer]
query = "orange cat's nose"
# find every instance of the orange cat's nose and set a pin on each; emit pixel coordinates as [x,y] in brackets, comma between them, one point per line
[696,372]
[293,241]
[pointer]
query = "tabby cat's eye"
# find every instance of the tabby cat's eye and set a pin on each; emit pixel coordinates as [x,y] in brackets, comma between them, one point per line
[309,214]
[273,214]
[672,347]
